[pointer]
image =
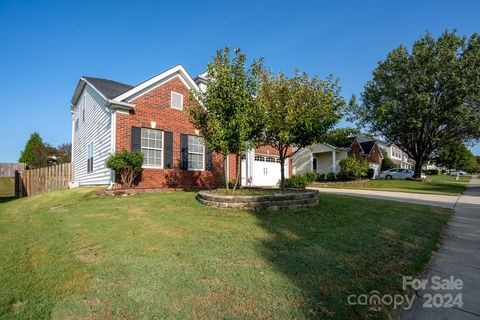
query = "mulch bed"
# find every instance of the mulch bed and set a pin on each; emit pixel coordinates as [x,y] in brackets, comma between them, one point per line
[132,191]
[327,183]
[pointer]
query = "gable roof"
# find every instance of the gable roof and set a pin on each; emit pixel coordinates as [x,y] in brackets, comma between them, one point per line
[157,80]
[108,88]
[367,146]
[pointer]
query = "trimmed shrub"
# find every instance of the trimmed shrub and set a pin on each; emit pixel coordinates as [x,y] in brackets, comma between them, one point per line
[341,176]
[127,164]
[297,181]
[432,172]
[321,177]
[312,176]
[330,176]
[353,168]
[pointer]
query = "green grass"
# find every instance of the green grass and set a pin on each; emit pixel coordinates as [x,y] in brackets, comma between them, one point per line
[7,186]
[70,254]
[443,184]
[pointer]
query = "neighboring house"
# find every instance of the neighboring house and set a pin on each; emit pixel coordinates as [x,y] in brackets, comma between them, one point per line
[399,157]
[370,151]
[109,116]
[431,165]
[324,158]
[320,157]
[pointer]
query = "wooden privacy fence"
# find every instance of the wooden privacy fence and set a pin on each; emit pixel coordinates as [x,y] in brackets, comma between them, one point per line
[8,169]
[41,180]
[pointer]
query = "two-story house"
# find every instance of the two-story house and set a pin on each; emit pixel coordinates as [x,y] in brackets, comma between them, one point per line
[109,116]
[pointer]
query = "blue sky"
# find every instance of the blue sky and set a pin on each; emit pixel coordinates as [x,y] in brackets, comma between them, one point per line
[46,46]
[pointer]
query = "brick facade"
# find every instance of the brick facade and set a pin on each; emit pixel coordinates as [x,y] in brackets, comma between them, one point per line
[375,155]
[153,110]
[154,106]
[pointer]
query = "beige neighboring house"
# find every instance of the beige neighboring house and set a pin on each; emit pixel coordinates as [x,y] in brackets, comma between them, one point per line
[400,158]
[320,157]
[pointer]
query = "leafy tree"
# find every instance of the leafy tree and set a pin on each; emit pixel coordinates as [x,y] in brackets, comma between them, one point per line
[35,153]
[127,164]
[387,163]
[455,156]
[296,112]
[64,153]
[340,136]
[225,113]
[425,99]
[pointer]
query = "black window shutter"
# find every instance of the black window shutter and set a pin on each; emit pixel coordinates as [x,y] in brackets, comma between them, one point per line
[168,149]
[183,151]
[136,144]
[208,159]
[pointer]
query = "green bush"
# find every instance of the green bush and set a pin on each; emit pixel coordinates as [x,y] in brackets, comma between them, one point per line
[321,177]
[353,168]
[387,163]
[312,176]
[432,172]
[127,164]
[297,181]
[330,176]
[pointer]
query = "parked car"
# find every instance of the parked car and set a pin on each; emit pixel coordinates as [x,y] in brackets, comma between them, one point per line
[455,172]
[399,174]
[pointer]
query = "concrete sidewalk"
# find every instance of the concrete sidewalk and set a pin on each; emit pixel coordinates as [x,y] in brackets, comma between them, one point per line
[458,256]
[428,199]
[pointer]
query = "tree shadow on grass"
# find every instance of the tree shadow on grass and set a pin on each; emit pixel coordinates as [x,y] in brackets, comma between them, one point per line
[340,248]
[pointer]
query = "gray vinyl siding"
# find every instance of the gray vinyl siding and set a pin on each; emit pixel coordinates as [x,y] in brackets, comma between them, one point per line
[302,161]
[97,128]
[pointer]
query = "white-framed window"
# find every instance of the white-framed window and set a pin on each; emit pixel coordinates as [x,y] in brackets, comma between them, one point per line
[176,100]
[196,153]
[152,148]
[90,157]
[76,125]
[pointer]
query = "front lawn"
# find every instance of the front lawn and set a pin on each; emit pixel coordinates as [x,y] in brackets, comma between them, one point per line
[441,184]
[7,186]
[71,254]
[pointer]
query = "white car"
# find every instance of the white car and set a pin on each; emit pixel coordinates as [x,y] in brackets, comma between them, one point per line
[459,172]
[400,174]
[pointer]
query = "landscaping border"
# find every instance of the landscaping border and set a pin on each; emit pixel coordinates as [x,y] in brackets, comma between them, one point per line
[295,199]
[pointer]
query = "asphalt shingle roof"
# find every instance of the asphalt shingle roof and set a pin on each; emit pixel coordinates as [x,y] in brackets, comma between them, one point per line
[111,89]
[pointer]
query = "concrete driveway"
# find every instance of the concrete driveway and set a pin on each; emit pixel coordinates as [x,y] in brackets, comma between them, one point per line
[428,199]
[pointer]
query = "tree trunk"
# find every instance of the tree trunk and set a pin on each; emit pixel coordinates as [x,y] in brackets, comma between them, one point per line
[225,170]
[282,172]
[237,170]
[418,168]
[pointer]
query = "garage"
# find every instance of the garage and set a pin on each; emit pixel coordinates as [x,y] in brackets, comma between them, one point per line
[264,169]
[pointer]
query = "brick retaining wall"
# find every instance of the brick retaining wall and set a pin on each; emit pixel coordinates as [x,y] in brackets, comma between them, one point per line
[294,200]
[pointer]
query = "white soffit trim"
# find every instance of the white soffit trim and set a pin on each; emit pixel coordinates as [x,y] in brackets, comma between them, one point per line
[158,80]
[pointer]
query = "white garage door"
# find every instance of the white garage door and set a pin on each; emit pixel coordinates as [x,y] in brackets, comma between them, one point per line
[266,170]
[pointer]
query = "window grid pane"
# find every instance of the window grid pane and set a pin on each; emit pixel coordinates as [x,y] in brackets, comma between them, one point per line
[151,146]
[196,151]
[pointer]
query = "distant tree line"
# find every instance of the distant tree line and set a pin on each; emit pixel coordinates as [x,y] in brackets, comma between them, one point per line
[39,154]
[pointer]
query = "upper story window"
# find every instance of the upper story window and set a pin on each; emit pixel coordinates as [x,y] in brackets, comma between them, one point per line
[90,157]
[176,100]
[76,124]
[196,153]
[152,146]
